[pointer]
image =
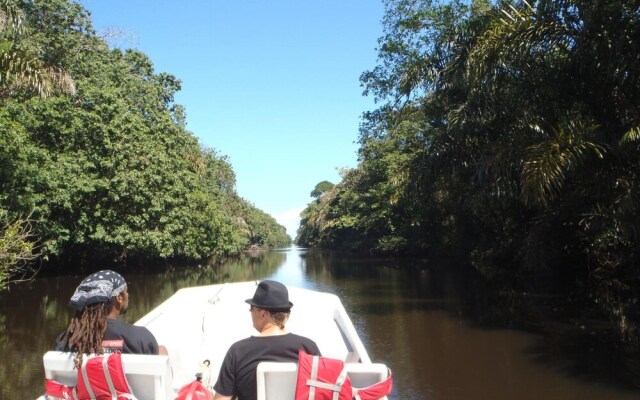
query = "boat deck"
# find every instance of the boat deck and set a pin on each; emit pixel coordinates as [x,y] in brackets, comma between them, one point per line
[202,322]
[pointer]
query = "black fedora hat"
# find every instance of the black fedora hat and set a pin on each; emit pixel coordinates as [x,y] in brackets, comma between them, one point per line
[271,295]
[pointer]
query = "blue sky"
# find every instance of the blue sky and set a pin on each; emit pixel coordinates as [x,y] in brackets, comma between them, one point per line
[273,85]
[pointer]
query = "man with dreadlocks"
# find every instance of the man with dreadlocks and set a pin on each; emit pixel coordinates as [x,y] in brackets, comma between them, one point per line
[99,301]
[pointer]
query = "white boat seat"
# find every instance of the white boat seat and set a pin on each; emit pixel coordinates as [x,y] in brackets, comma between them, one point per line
[277,380]
[149,376]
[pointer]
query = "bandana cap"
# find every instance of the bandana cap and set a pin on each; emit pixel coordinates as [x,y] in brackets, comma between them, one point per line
[99,287]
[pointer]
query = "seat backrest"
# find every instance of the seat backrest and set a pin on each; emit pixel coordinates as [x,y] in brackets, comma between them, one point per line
[277,380]
[149,376]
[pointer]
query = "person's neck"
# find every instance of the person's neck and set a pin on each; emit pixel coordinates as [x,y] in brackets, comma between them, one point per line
[272,330]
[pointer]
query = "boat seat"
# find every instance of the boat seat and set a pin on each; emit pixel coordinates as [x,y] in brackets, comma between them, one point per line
[149,376]
[277,380]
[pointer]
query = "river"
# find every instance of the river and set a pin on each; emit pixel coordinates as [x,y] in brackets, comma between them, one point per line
[415,317]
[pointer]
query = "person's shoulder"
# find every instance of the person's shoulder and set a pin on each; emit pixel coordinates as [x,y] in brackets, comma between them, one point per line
[308,344]
[300,338]
[242,345]
[121,325]
[246,341]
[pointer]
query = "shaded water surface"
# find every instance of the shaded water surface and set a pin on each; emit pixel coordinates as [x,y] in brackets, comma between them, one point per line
[417,319]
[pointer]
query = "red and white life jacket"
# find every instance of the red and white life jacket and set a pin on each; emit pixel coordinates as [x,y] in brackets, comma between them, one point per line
[322,378]
[194,391]
[99,377]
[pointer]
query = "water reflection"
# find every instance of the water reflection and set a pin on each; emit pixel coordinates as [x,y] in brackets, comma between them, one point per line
[33,314]
[430,324]
[424,321]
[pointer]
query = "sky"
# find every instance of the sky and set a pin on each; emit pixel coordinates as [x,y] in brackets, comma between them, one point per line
[272,85]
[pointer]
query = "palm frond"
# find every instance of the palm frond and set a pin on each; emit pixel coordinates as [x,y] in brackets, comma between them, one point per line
[10,17]
[513,40]
[547,163]
[632,135]
[60,80]
[16,70]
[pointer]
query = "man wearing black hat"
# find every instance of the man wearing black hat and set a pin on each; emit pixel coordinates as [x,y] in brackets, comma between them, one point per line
[270,309]
[99,301]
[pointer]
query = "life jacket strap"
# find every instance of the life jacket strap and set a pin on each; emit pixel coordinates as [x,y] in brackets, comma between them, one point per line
[107,376]
[85,378]
[313,383]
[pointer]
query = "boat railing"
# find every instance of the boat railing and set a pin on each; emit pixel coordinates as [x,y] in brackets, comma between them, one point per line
[356,351]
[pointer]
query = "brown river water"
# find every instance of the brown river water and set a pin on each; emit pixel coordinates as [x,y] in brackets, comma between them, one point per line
[416,318]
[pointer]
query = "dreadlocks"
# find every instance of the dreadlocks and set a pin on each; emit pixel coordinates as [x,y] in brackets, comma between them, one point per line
[86,330]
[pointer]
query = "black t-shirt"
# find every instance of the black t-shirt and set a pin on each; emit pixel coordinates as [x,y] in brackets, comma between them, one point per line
[238,371]
[123,337]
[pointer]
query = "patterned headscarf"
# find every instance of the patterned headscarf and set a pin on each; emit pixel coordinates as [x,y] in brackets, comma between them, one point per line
[99,287]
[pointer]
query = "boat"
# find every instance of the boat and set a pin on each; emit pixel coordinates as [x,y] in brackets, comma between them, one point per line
[200,323]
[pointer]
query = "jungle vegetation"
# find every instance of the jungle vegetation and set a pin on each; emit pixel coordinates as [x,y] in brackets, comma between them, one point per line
[507,136]
[96,163]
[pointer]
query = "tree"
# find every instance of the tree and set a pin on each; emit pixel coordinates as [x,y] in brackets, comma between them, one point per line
[111,174]
[507,134]
[321,188]
[19,68]
[17,250]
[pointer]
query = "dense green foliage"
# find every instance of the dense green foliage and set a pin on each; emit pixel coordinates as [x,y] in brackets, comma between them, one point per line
[321,188]
[507,136]
[101,160]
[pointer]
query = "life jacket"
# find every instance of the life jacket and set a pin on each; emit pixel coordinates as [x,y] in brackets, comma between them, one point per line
[194,391]
[322,378]
[99,377]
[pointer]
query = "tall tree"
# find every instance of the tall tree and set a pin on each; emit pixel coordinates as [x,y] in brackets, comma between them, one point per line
[21,68]
[111,174]
[507,135]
